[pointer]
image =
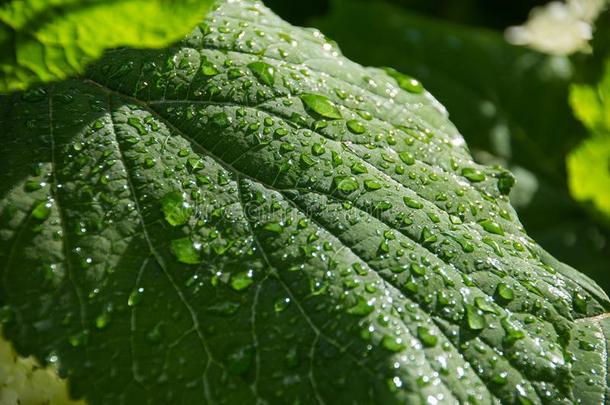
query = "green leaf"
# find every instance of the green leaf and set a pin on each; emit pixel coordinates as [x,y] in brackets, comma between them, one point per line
[347,276]
[44,41]
[589,164]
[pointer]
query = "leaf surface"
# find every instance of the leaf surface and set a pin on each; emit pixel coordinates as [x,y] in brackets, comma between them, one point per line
[249,216]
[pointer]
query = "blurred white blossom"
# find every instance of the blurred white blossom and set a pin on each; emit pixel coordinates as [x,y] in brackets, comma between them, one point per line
[559,28]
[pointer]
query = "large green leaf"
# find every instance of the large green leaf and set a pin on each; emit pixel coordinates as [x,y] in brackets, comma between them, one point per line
[249,216]
[510,102]
[44,40]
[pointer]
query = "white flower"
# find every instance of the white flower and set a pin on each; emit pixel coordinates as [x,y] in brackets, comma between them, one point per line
[558,28]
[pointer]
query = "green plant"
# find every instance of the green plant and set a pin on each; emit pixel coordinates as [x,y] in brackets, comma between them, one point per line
[46,41]
[248,215]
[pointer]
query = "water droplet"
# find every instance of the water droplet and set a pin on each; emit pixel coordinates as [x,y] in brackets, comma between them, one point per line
[500,378]
[505,291]
[220,120]
[407,158]
[186,251]
[32,185]
[306,160]
[417,269]
[42,210]
[491,226]
[362,307]
[405,82]
[485,305]
[412,203]
[372,185]
[580,302]
[263,72]
[241,281]
[346,184]
[137,124]
[317,149]
[208,69]
[175,210]
[274,228]
[281,304]
[359,168]
[392,343]
[586,346]
[321,105]
[102,321]
[473,174]
[79,339]
[513,331]
[234,73]
[135,297]
[474,318]
[355,127]
[427,338]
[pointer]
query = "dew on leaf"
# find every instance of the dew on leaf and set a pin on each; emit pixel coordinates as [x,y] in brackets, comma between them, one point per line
[484,305]
[264,72]
[362,307]
[405,82]
[281,304]
[427,338]
[372,185]
[392,343]
[473,175]
[513,331]
[306,160]
[407,158]
[412,203]
[186,251]
[317,149]
[175,210]
[102,321]
[321,105]
[346,184]
[505,291]
[273,228]
[359,168]
[135,297]
[355,127]
[137,124]
[42,210]
[491,226]
[474,318]
[241,281]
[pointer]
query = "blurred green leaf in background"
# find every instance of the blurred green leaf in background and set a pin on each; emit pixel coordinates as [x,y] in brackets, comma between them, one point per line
[589,163]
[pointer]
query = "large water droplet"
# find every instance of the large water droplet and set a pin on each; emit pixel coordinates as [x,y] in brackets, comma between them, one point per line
[355,127]
[186,251]
[263,72]
[427,338]
[175,210]
[321,105]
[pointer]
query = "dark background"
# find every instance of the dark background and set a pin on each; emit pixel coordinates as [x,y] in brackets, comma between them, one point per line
[495,14]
